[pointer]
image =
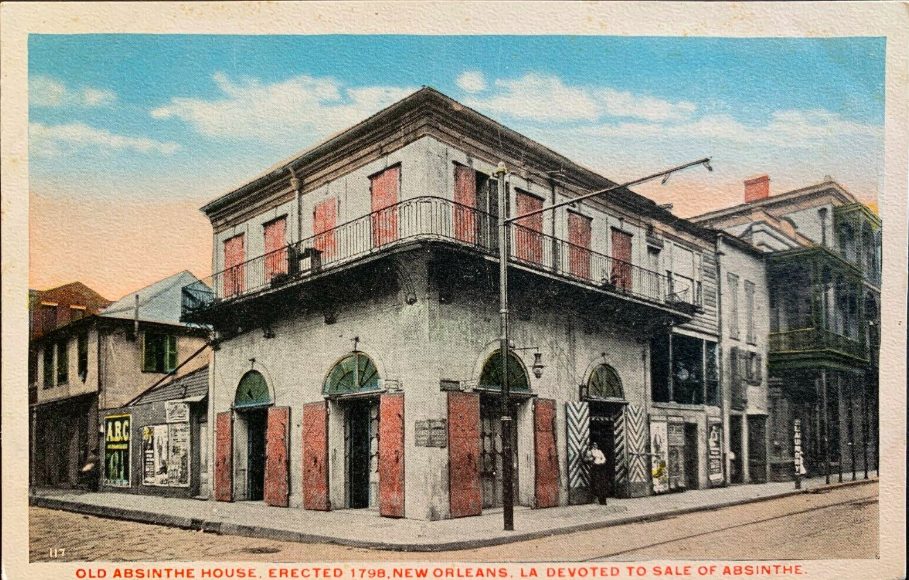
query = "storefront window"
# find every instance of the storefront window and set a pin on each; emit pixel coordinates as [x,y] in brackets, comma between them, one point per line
[712,374]
[354,373]
[659,368]
[687,370]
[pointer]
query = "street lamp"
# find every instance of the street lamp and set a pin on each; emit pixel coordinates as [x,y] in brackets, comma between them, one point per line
[502,172]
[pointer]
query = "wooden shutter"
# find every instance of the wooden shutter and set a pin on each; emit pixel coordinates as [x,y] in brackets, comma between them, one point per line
[546,466]
[171,362]
[234,277]
[275,248]
[277,474]
[315,456]
[465,196]
[621,260]
[148,353]
[224,486]
[577,428]
[391,456]
[384,191]
[324,220]
[464,490]
[528,232]
[579,234]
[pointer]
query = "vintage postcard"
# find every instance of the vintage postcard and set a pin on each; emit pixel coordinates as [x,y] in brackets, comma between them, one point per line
[381,290]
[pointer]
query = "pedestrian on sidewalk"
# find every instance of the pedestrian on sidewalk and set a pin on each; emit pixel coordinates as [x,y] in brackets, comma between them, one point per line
[90,471]
[595,459]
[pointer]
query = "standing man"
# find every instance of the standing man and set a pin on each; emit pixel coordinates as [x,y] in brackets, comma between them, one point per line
[597,462]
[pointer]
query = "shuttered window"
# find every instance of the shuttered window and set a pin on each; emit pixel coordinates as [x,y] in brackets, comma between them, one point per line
[579,234]
[732,282]
[275,233]
[234,267]
[528,232]
[159,353]
[83,356]
[62,362]
[324,220]
[621,260]
[749,312]
[48,366]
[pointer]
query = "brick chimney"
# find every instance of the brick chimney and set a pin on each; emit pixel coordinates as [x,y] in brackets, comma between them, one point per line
[757,188]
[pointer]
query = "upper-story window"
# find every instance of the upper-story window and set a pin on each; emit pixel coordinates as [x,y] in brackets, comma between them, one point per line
[621,274]
[62,362]
[528,233]
[234,267]
[48,316]
[384,190]
[324,221]
[579,236]
[475,190]
[749,312]
[159,353]
[684,283]
[732,284]
[82,353]
[76,313]
[847,242]
[275,233]
[48,366]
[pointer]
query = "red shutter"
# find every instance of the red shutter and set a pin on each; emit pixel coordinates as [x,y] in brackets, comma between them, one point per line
[529,231]
[579,250]
[621,260]
[384,190]
[391,456]
[547,457]
[275,248]
[325,218]
[315,456]
[465,196]
[277,482]
[464,490]
[224,488]
[234,267]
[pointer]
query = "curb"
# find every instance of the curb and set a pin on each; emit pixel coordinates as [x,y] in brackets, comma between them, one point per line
[254,531]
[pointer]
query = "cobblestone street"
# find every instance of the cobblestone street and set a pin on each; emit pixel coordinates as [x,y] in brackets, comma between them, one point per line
[834,523]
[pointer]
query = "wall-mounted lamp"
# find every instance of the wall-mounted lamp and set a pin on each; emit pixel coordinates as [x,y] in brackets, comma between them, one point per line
[538,365]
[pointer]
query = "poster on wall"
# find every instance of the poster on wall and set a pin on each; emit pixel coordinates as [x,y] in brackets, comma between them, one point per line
[715,453]
[178,454]
[176,412]
[676,441]
[116,450]
[659,458]
[154,452]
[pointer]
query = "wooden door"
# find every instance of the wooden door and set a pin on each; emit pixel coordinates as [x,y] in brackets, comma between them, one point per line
[324,220]
[391,456]
[528,232]
[315,456]
[465,196]
[224,477]
[465,493]
[277,474]
[384,191]
[579,234]
[234,266]
[547,459]
[621,260]
[275,248]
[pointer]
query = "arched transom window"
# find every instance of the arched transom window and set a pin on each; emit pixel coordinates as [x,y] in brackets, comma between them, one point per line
[491,377]
[604,383]
[252,391]
[355,373]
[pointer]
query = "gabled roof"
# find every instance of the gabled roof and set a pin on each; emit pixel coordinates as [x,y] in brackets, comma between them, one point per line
[158,302]
[192,385]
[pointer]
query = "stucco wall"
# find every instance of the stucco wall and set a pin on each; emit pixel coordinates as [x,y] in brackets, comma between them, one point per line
[74,385]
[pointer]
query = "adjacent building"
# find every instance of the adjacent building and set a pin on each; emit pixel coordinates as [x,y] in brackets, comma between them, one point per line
[100,357]
[822,248]
[354,306]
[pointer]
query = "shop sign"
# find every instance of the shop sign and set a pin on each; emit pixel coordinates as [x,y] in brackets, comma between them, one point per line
[176,412]
[659,455]
[165,450]
[797,449]
[116,450]
[715,453]
[431,433]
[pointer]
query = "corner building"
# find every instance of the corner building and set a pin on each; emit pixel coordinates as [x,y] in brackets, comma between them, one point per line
[355,309]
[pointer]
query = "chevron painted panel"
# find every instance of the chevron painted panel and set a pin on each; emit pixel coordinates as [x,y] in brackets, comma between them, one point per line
[578,426]
[636,441]
[621,457]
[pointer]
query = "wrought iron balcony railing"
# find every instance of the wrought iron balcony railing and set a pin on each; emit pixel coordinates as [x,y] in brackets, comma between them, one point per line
[815,339]
[435,218]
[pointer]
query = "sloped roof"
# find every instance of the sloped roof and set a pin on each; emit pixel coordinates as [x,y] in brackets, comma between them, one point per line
[159,302]
[194,384]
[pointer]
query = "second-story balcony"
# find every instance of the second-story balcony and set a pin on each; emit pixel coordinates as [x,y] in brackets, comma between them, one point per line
[806,346]
[435,219]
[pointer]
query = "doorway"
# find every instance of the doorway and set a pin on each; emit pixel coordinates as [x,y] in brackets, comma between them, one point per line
[691,456]
[491,476]
[735,446]
[256,423]
[361,447]
[602,432]
[757,449]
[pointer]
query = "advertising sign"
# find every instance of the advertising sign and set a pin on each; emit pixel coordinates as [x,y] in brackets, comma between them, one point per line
[116,450]
[178,454]
[676,455]
[176,412]
[715,453]
[165,452]
[659,459]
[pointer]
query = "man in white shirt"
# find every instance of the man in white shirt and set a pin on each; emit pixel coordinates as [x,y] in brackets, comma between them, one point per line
[597,462]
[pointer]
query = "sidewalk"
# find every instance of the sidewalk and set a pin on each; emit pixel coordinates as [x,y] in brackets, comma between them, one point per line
[366,529]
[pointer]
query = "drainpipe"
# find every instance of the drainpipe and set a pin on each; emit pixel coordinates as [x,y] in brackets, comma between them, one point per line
[136,318]
[295,183]
[720,368]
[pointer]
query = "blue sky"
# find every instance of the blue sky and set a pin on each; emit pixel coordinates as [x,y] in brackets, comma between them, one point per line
[177,118]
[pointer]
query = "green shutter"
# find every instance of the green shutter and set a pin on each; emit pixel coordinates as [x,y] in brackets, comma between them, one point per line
[148,353]
[171,341]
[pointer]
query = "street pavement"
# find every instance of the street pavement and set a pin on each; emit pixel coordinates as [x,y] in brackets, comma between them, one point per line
[836,522]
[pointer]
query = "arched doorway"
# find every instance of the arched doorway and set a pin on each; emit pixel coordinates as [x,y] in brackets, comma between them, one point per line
[606,398]
[490,387]
[354,381]
[251,402]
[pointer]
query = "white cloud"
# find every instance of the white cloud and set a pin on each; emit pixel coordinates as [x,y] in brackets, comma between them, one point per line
[56,140]
[546,98]
[301,107]
[45,91]
[472,81]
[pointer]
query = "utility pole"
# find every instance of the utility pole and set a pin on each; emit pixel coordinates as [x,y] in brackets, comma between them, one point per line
[504,221]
